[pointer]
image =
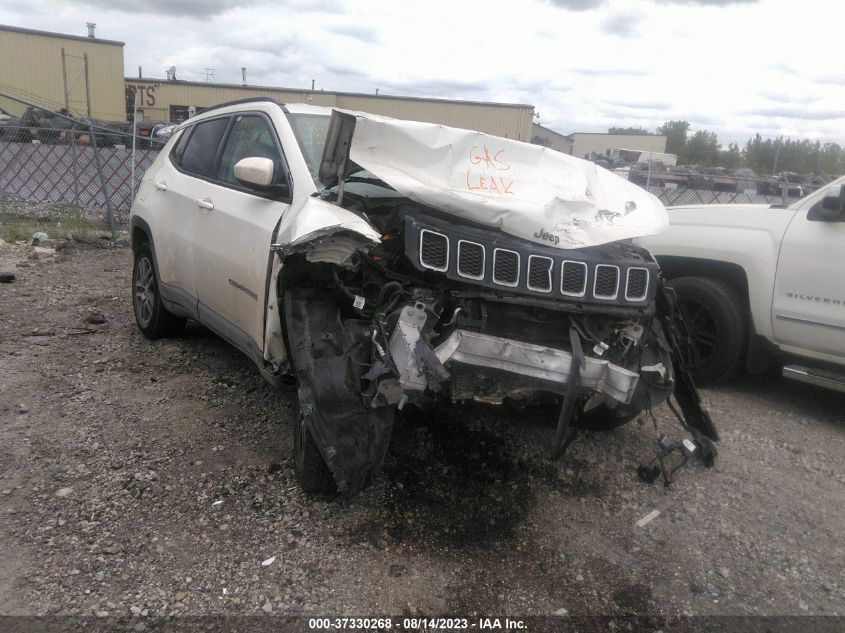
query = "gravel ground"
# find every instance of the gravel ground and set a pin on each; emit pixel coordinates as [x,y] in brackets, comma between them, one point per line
[153,478]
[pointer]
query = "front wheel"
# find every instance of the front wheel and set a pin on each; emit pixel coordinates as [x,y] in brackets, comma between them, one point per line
[718,326]
[151,316]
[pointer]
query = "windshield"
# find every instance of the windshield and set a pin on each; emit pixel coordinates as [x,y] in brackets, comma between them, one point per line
[310,131]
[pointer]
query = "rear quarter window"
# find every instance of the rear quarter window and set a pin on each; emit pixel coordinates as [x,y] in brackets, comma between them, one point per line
[201,147]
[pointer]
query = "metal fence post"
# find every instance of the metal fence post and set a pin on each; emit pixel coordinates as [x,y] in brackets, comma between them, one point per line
[73,152]
[103,183]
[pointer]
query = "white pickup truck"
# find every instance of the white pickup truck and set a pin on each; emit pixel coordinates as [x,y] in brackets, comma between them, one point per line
[758,282]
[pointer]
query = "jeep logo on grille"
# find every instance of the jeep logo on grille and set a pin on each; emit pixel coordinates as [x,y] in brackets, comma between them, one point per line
[543,234]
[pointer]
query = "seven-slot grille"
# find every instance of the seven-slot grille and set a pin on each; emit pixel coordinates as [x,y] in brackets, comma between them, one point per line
[573,278]
[636,287]
[525,272]
[434,250]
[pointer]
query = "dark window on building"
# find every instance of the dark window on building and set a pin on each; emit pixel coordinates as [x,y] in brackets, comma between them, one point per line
[201,150]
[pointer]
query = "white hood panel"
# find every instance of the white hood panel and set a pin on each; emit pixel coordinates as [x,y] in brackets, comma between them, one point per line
[526,190]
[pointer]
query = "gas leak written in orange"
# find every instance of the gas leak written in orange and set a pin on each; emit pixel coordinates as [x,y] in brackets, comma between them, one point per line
[491,180]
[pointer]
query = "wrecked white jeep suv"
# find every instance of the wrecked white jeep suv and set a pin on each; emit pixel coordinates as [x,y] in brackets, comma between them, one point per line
[378,264]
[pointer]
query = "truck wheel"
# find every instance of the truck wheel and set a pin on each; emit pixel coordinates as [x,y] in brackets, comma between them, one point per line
[718,326]
[311,470]
[152,317]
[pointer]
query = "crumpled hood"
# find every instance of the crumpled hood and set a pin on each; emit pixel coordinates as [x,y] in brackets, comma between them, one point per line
[525,190]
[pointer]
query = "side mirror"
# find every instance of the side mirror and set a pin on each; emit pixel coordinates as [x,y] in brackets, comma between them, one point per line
[255,172]
[833,205]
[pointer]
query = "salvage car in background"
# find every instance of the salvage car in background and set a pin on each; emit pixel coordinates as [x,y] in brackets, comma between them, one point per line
[761,281]
[379,264]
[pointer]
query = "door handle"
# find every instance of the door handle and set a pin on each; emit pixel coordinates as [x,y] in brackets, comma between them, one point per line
[161,186]
[205,203]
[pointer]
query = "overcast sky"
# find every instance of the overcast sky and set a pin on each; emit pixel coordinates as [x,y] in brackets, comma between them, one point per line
[734,67]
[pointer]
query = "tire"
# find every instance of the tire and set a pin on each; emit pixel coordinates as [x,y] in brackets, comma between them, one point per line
[604,418]
[718,325]
[151,316]
[310,468]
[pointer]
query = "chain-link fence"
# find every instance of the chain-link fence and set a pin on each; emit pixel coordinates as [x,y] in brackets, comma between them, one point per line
[65,176]
[677,197]
[72,177]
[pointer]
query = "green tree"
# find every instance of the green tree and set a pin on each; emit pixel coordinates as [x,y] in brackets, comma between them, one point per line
[676,135]
[701,149]
[731,157]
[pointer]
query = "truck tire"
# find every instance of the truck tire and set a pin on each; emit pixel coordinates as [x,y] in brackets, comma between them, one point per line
[718,324]
[310,468]
[151,316]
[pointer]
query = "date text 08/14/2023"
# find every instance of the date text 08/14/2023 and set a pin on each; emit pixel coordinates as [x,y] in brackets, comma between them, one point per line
[416,624]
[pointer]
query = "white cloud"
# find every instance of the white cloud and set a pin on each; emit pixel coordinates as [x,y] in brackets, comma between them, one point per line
[732,67]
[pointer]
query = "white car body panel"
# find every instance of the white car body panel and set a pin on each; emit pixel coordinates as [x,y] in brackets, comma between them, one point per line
[808,307]
[749,237]
[793,266]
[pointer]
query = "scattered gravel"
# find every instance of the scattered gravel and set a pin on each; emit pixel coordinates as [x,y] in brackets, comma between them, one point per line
[115,452]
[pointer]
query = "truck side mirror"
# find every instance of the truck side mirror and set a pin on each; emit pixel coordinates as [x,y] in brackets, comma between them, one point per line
[833,205]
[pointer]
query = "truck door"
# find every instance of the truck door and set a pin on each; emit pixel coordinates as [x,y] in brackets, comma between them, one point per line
[808,308]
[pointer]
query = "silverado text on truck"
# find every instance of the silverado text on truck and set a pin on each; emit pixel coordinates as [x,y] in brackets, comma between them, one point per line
[756,281]
[378,264]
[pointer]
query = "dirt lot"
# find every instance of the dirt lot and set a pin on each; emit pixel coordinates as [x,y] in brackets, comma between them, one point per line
[115,450]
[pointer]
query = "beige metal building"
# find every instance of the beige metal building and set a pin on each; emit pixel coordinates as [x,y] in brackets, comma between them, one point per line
[549,138]
[585,143]
[85,75]
[165,100]
[55,71]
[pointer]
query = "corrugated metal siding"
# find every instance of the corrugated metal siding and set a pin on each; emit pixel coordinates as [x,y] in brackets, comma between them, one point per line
[31,68]
[500,119]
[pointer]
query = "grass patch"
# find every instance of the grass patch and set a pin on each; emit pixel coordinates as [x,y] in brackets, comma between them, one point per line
[20,220]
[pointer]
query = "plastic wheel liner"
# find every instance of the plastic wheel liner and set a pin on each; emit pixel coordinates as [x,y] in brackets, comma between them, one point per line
[329,356]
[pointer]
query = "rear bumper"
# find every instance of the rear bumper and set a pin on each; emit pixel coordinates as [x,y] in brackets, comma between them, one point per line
[536,361]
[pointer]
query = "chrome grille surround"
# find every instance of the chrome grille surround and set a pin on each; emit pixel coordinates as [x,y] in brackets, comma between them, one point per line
[496,266]
[464,245]
[531,269]
[433,265]
[569,264]
[600,279]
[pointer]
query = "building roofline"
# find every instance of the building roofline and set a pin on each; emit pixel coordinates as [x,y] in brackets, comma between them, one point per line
[63,36]
[556,133]
[180,82]
[614,134]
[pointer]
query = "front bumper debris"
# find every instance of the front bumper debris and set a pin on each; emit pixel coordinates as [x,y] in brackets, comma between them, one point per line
[536,361]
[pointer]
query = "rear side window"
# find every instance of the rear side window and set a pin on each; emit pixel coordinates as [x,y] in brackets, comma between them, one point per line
[179,148]
[201,150]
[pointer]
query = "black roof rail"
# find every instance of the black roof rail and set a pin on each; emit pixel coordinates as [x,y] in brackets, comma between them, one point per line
[239,101]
